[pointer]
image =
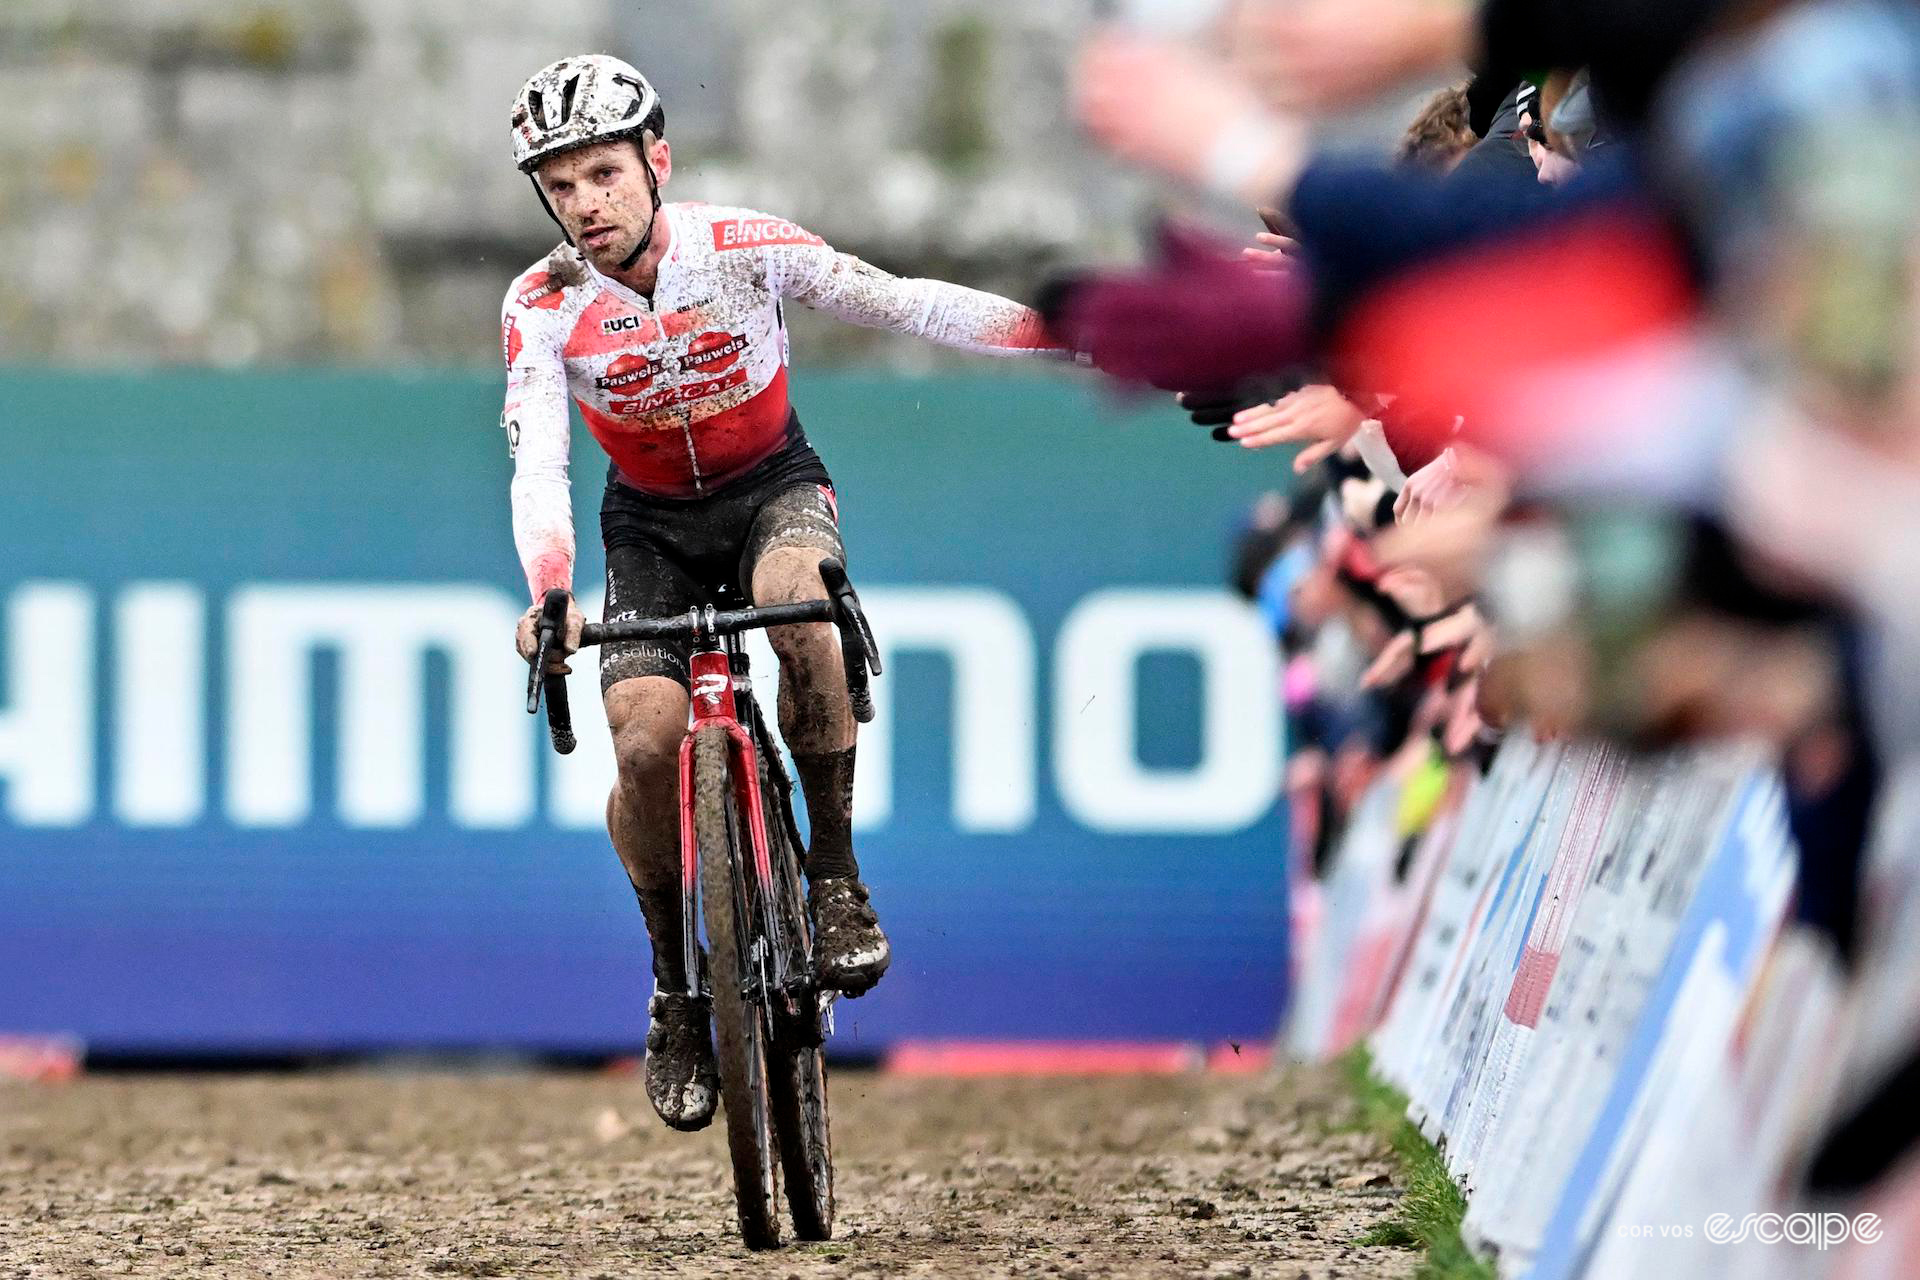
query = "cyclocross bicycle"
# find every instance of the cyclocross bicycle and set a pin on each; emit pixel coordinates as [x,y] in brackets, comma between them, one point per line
[741,856]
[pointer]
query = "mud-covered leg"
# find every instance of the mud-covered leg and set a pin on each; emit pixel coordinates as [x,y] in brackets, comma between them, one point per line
[818,725]
[648,716]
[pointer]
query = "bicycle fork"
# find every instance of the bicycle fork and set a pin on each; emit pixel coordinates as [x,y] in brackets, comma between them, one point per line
[713,706]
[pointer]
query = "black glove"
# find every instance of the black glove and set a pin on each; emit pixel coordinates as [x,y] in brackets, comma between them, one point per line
[1216,408]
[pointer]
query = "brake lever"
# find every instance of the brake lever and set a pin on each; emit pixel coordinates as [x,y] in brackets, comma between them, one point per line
[553,621]
[846,605]
[543,642]
[858,653]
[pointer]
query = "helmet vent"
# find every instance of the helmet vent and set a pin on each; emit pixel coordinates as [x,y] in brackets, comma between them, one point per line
[639,95]
[537,104]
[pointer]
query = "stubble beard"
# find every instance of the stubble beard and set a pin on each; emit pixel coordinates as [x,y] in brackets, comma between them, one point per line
[609,255]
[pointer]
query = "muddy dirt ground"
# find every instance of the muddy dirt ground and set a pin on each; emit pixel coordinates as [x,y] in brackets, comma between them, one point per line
[361,1173]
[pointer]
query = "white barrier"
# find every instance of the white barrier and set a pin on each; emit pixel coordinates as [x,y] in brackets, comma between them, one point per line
[1581,980]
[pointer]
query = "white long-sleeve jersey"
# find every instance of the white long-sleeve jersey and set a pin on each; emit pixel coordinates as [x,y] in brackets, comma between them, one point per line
[687,390]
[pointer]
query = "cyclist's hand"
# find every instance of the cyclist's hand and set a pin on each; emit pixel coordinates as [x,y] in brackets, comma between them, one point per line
[527,638]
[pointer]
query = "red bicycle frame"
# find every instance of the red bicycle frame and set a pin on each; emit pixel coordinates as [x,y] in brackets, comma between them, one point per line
[713,707]
[714,679]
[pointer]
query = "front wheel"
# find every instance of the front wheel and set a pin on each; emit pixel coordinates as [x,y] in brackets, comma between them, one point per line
[799,1080]
[739,1028]
[799,1089]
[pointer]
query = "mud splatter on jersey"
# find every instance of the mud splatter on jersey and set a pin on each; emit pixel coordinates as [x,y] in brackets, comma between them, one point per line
[687,390]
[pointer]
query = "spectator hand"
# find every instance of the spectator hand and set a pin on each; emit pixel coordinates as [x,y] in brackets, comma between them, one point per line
[1217,411]
[1168,107]
[1457,628]
[1430,490]
[1450,539]
[1316,416]
[1272,249]
[1314,55]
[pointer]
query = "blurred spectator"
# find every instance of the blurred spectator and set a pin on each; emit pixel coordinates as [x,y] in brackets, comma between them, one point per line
[1441,135]
[1648,356]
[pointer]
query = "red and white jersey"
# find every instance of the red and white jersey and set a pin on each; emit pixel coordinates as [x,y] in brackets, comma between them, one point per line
[687,390]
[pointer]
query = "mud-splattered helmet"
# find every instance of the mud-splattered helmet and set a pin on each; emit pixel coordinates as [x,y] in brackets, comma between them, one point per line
[580,100]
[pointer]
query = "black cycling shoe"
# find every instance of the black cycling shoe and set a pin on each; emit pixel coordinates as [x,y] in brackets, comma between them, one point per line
[849,950]
[682,1082]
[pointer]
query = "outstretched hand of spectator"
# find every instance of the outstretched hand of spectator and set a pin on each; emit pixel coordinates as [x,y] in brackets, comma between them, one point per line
[1168,107]
[1314,55]
[1455,629]
[1459,476]
[1274,249]
[1465,725]
[1317,416]
[1430,490]
[1271,252]
[1421,597]
[1216,409]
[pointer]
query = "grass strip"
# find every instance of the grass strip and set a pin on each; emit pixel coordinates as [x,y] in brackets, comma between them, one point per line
[1430,1213]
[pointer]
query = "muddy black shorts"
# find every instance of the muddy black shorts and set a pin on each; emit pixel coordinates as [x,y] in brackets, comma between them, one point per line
[668,555]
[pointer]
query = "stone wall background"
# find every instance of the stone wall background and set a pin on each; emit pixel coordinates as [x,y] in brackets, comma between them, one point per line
[328,181]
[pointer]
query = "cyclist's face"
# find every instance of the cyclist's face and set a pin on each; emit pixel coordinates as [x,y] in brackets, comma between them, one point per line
[602,197]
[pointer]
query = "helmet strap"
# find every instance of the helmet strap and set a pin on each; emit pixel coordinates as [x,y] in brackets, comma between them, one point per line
[535,180]
[653,219]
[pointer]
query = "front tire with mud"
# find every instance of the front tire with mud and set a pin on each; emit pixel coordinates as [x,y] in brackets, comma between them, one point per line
[799,1080]
[740,1031]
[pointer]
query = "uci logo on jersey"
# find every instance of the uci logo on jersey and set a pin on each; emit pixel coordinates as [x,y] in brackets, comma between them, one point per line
[623,324]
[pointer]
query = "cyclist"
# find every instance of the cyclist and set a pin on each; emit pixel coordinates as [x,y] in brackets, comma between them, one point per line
[663,323]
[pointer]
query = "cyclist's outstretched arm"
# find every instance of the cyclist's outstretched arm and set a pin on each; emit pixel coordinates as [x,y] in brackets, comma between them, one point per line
[818,276]
[538,437]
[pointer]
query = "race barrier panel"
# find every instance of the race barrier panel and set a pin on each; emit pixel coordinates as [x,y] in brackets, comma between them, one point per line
[1598,1009]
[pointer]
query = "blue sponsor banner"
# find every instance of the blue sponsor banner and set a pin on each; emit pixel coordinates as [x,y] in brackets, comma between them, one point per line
[265,782]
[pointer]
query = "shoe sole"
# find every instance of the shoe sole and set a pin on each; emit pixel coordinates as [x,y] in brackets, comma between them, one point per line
[853,986]
[689,1126]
